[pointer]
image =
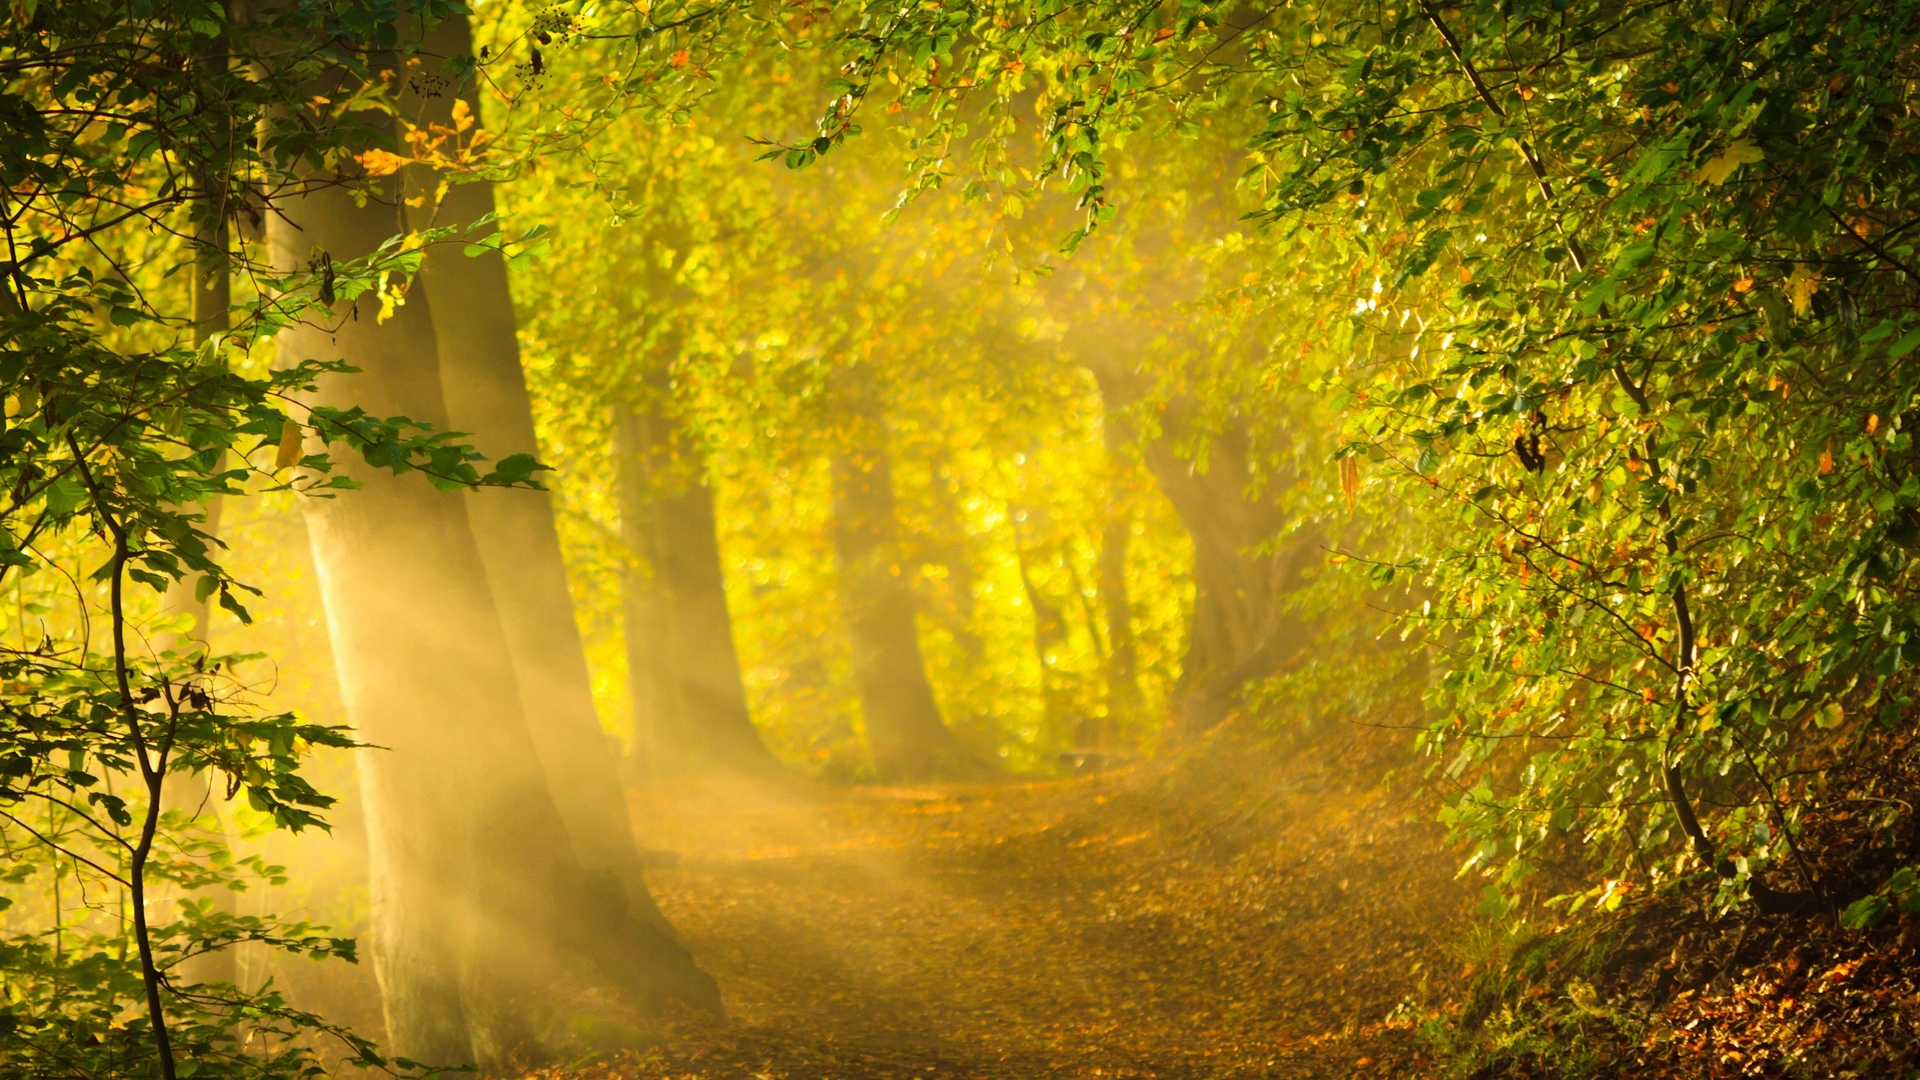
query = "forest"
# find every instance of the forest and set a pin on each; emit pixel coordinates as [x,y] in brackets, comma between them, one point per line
[796,540]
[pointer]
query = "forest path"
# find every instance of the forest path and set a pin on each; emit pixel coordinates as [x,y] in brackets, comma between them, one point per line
[1243,912]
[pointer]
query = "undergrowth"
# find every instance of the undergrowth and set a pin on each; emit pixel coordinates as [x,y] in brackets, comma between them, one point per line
[1686,981]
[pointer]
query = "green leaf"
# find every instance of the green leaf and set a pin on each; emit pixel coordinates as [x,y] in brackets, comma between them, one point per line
[64,495]
[514,469]
[1865,912]
[1717,169]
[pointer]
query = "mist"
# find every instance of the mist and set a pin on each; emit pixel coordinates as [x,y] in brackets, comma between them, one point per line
[598,541]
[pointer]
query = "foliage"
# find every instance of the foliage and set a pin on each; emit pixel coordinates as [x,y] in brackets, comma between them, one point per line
[733,298]
[1644,390]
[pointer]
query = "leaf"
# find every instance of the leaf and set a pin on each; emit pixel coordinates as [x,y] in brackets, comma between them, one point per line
[1801,286]
[1717,169]
[292,437]
[379,162]
[1864,912]
[1905,345]
[515,469]
[64,495]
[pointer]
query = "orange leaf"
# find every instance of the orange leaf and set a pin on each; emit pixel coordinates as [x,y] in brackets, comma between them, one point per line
[381,163]
[1826,462]
[679,59]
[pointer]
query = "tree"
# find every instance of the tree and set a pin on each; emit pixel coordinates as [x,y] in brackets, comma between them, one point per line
[486,392]
[908,739]
[1653,261]
[120,162]
[690,704]
[1116,535]
[482,905]
[1149,336]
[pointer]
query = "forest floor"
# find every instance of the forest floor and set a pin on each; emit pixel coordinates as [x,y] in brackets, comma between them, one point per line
[1240,910]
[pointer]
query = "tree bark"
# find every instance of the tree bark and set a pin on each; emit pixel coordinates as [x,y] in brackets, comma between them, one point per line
[1122,659]
[645,622]
[1240,629]
[690,703]
[486,395]
[1049,623]
[211,299]
[905,734]
[481,908]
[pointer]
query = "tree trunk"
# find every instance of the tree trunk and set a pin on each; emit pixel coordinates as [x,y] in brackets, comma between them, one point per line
[904,730]
[212,297]
[1049,623]
[481,908]
[645,622]
[1122,659]
[1240,630]
[690,704]
[486,395]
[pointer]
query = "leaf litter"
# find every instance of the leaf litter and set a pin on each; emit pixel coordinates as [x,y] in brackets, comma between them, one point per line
[1243,909]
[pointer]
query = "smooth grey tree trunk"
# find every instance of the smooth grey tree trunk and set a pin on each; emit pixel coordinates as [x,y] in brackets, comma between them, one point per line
[457,811]
[486,395]
[1049,624]
[905,734]
[1122,657]
[644,618]
[690,703]
[1240,628]
[483,917]
[211,299]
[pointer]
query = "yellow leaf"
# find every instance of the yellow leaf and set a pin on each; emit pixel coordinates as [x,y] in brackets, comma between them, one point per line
[1350,480]
[381,163]
[291,440]
[1717,169]
[462,115]
[1800,289]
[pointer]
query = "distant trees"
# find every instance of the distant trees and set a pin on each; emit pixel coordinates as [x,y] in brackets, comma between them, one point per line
[905,732]
[1617,304]
[683,671]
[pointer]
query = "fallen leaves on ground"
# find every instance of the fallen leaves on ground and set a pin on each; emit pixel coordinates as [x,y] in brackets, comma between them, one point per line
[1243,910]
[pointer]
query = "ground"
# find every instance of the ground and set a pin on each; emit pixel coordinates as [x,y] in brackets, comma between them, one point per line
[1239,909]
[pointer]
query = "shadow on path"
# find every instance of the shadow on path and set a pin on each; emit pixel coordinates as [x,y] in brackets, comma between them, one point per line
[1245,911]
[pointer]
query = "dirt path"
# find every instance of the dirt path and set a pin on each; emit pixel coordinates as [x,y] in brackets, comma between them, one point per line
[1244,913]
